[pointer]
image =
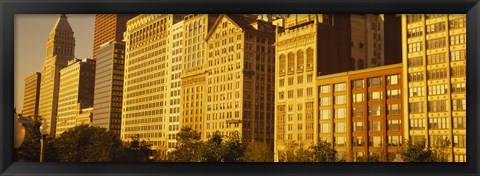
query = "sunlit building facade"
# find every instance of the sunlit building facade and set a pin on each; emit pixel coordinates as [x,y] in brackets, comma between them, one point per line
[240,78]
[31,95]
[434,52]
[109,27]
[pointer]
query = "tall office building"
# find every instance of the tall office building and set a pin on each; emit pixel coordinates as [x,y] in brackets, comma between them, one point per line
[360,112]
[108,96]
[60,49]
[240,78]
[434,51]
[196,27]
[175,83]
[31,95]
[75,92]
[307,45]
[145,111]
[109,27]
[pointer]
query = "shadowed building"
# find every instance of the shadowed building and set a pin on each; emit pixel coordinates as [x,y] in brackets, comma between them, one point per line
[75,93]
[60,48]
[434,52]
[31,95]
[109,27]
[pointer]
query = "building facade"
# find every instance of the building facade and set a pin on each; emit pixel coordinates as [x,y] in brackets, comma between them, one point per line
[75,92]
[145,91]
[307,46]
[195,29]
[109,27]
[31,95]
[60,49]
[434,52]
[109,86]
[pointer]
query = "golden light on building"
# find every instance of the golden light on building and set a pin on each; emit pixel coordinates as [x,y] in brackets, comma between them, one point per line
[434,52]
[108,28]
[31,95]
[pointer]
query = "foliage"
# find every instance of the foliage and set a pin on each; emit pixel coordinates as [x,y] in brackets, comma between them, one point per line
[418,153]
[29,151]
[323,152]
[189,145]
[440,149]
[137,151]
[258,152]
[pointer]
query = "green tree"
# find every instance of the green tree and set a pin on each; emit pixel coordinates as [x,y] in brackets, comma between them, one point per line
[295,152]
[323,152]
[188,148]
[258,152]
[137,151]
[417,152]
[29,151]
[233,149]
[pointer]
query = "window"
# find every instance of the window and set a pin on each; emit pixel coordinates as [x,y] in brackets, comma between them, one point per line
[357,126]
[459,105]
[357,141]
[457,55]
[438,123]
[357,84]
[340,141]
[394,140]
[325,101]
[290,94]
[412,18]
[281,82]
[438,58]
[357,98]
[458,87]
[340,113]
[415,32]
[339,87]
[309,78]
[290,81]
[309,92]
[459,141]
[340,127]
[457,39]
[437,74]
[436,27]
[435,139]
[281,95]
[437,89]
[324,128]
[458,23]
[357,111]
[299,79]
[416,91]
[375,95]
[393,79]
[458,71]
[374,82]
[414,47]
[393,94]
[416,107]
[437,106]
[415,62]
[417,124]
[340,99]
[300,93]
[375,125]
[415,76]
[394,125]
[459,123]
[436,43]
[375,141]
[393,109]
[325,89]
[324,114]
[417,139]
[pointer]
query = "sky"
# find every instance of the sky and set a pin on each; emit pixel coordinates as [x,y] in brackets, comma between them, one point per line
[31,35]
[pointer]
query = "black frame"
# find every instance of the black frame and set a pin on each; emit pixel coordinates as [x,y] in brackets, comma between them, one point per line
[9,8]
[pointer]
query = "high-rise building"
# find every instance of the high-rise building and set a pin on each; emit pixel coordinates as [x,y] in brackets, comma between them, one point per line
[360,112]
[195,29]
[75,92]
[60,49]
[307,46]
[109,27]
[31,95]
[145,111]
[434,52]
[108,96]
[240,78]
[175,83]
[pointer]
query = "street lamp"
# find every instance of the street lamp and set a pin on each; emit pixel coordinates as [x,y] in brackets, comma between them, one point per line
[44,133]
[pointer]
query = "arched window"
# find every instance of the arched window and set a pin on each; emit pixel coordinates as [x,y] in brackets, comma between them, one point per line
[282,64]
[300,59]
[291,61]
[309,58]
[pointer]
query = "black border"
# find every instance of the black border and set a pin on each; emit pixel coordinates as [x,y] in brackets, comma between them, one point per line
[10,7]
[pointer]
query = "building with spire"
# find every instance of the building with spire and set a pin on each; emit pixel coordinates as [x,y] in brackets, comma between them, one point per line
[60,48]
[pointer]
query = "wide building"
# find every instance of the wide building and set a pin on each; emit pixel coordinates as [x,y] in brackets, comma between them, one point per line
[240,78]
[434,52]
[75,92]
[109,86]
[109,27]
[60,49]
[195,29]
[31,95]
[307,46]
[146,94]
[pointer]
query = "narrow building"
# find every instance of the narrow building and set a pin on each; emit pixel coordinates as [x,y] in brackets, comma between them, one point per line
[31,95]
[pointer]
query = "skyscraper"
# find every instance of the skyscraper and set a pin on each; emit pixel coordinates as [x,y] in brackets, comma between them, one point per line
[109,27]
[434,52]
[107,112]
[75,92]
[31,95]
[240,78]
[60,49]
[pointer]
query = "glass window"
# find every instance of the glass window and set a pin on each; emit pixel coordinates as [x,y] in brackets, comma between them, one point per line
[325,101]
[324,128]
[393,79]
[375,125]
[339,87]
[459,123]
[374,110]
[339,141]
[374,82]
[394,125]
[394,93]
[394,140]
[340,99]
[357,111]
[340,127]
[459,141]
[393,109]
[375,141]
[324,114]
[357,84]
[357,98]
[357,126]
[340,113]
[375,95]
[325,89]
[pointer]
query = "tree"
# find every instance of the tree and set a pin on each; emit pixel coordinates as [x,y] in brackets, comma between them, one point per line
[188,146]
[441,149]
[233,149]
[417,153]
[258,152]
[29,151]
[323,152]
[295,152]
[137,151]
